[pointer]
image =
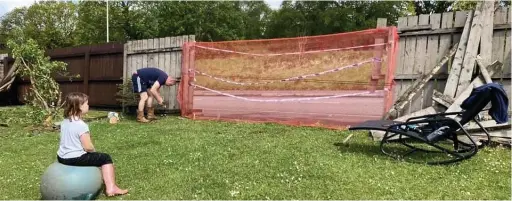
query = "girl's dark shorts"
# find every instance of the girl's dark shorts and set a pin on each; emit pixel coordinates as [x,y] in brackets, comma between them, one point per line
[88,159]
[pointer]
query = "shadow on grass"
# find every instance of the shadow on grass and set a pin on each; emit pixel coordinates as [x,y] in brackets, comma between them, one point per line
[396,149]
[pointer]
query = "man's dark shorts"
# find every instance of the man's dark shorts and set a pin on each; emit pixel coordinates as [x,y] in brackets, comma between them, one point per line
[138,85]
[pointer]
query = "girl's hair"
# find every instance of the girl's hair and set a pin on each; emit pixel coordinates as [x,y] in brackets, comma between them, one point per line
[73,102]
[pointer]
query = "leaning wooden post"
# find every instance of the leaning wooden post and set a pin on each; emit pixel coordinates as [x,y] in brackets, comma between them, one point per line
[183,97]
[191,77]
[379,49]
[388,81]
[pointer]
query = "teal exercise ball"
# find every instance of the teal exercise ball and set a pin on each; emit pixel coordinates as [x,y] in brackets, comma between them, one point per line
[64,182]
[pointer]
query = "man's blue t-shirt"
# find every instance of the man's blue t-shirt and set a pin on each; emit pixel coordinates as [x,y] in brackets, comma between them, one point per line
[150,75]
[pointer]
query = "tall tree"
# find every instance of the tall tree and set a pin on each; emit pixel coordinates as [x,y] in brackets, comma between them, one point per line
[52,24]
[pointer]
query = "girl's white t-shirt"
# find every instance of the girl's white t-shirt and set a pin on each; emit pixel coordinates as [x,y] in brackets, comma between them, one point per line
[70,132]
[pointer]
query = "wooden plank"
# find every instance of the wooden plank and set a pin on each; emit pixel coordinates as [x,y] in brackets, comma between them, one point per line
[458,30]
[161,55]
[417,76]
[155,50]
[382,22]
[410,49]
[506,133]
[442,99]
[493,68]
[138,58]
[400,57]
[499,38]
[487,31]
[453,78]
[506,59]
[471,50]
[480,61]
[179,43]
[378,51]
[173,56]
[488,124]
[150,57]
[186,38]
[434,55]
[159,43]
[418,85]
[191,74]
[420,62]
[166,57]
[144,56]
[458,23]
[445,41]
[414,27]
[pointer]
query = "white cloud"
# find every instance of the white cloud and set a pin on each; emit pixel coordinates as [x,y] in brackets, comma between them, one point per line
[8,5]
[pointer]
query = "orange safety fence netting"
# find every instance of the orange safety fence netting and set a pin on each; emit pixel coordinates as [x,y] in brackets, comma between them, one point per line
[331,81]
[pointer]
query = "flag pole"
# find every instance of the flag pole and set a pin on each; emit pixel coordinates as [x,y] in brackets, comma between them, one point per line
[107,23]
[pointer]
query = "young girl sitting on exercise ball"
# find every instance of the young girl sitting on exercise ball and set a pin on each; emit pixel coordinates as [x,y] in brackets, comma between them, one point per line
[76,147]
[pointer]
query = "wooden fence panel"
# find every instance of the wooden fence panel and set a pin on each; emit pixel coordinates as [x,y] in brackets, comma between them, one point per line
[434,53]
[421,49]
[99,68]
[162,53]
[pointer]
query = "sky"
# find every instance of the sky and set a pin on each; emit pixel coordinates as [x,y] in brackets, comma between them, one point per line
[8,5]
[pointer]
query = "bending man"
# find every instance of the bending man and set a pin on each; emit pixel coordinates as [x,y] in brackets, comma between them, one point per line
[147,82]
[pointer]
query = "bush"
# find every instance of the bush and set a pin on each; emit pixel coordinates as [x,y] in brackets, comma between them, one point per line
[125,94]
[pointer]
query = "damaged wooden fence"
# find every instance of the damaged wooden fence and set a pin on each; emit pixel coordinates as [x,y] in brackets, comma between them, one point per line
[426,39]
[443,56]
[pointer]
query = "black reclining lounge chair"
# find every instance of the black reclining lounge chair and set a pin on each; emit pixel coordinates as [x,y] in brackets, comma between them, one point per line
[441,128]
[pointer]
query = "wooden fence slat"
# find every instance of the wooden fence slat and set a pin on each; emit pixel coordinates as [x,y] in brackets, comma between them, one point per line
[446,29]
[179,43]
[138,58]
[499,39]
[445,41]
[151,56]
[173,60]
[409,61]
[144,56]
[506,57]
[432,57]
[487,32]
[399,87]
[420,61]
[165,64]
[161,55]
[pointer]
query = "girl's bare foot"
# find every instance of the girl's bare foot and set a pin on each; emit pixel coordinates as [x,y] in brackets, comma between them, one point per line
[116,191]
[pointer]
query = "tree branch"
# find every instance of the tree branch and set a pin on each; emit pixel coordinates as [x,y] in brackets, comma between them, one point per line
[47,108]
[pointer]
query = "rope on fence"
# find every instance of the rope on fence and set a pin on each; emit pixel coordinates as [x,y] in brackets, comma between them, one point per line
[287,99]
[291,78]
[292,53]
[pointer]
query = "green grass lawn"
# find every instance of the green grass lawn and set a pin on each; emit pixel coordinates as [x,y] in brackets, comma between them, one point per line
[176,158]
